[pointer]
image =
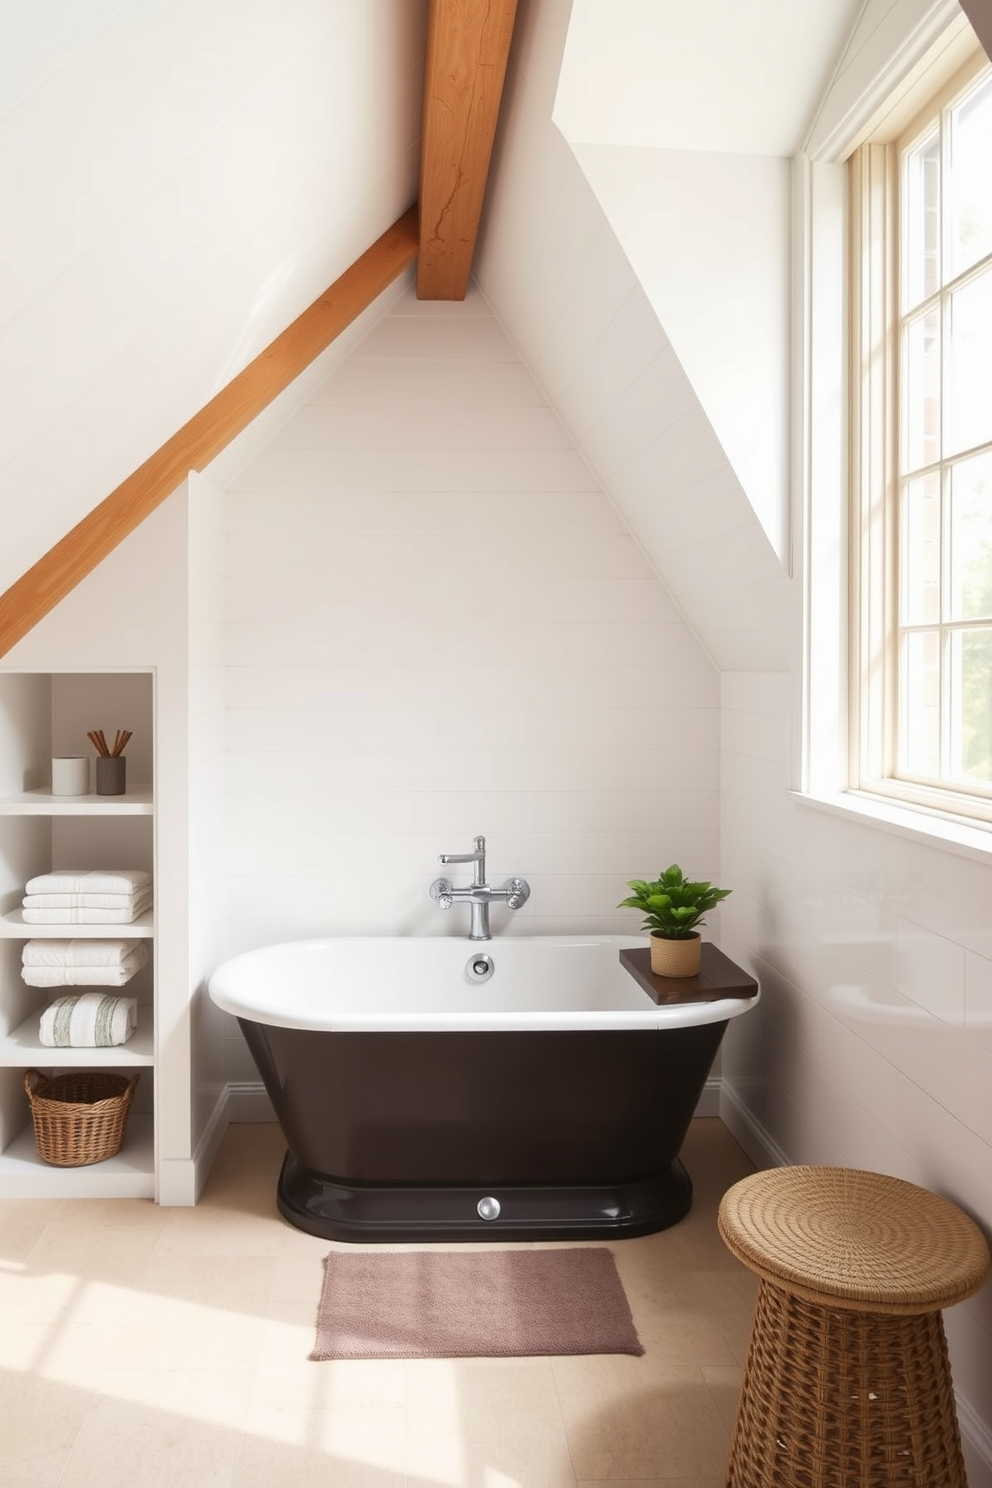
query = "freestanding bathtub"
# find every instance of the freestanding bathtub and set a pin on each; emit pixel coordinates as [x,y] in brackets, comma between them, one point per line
[439,1089]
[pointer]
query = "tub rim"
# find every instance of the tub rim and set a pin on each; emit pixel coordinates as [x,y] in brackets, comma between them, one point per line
[465,1020]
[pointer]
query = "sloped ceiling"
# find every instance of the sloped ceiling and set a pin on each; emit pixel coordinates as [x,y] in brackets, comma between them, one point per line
[190,174]
[711,76]
[188,178]
[685,120]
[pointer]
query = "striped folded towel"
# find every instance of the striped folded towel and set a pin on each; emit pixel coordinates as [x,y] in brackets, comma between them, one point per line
[89,1020]
[89,881]
[86,916]
[77,952]
[87,976]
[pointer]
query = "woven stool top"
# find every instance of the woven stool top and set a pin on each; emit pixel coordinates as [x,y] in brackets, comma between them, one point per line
[856,1240]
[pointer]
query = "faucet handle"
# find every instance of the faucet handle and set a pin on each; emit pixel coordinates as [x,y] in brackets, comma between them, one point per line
[441,893]
[517,892]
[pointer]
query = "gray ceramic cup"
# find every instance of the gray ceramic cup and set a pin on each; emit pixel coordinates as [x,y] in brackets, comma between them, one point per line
[110,774]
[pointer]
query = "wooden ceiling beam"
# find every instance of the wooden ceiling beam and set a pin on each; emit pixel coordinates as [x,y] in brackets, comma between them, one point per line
[211,430]
[468,42]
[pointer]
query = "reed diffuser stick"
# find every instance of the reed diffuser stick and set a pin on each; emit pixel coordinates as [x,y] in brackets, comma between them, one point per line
[99,741]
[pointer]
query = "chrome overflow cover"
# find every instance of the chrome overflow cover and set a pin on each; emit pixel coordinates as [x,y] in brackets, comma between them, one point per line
[488,1208]
[479,968]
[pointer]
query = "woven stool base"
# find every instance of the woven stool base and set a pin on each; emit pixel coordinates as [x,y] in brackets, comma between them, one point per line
[835,1398]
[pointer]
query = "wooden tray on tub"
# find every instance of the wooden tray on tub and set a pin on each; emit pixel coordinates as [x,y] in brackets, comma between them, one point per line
[718,977]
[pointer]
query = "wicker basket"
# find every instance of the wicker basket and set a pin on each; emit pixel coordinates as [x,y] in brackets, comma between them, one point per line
[79,1118]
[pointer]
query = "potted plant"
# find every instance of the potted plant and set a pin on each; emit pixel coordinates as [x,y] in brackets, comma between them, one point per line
[673,907]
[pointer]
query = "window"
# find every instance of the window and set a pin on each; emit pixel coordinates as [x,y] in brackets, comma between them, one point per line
[921,281]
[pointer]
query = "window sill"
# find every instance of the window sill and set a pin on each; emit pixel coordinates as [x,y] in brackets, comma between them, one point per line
[950,833]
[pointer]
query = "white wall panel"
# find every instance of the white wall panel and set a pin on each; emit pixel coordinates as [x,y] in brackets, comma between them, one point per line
[431,637]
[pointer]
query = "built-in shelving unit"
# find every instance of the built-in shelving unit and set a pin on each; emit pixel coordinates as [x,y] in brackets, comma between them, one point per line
[42,715]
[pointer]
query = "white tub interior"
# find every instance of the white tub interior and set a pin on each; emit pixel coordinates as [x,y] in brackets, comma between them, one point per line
[425,983]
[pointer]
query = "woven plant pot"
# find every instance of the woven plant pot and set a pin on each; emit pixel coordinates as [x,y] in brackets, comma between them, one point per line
[676,958]
[79,1118]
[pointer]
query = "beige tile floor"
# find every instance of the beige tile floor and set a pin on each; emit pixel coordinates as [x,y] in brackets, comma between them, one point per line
[149,1347]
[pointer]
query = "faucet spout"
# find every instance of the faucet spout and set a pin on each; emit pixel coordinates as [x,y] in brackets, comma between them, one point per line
[478,857]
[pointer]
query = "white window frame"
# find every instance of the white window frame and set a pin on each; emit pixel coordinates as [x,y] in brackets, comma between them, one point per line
[907,45]
[876,478]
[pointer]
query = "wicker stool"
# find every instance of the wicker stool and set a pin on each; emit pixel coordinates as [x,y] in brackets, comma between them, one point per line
[847,1382]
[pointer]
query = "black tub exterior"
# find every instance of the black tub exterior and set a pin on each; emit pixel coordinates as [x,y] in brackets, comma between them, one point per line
[399,1136]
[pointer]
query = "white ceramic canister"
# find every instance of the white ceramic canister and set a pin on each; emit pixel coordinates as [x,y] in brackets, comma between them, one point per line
[71,775]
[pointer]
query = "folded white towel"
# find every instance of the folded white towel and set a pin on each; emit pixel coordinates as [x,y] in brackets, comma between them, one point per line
[32,916]
[77,952]
[87,976]
[81,901]
[90,881]
[90,1020]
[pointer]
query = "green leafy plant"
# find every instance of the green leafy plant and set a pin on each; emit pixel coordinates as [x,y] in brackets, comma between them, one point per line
[672,906]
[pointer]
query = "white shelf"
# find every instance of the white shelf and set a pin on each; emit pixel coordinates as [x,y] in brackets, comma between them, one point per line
[136,802]
[129,1175]
[23,1047]
[13,926]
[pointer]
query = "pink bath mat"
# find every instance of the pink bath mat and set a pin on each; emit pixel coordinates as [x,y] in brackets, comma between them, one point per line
[451,1304]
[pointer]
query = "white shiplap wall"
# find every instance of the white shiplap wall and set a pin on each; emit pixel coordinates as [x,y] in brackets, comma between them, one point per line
[437,626]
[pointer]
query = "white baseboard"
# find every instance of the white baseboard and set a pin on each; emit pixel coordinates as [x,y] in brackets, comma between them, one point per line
[180,1181]
[743,1125]
[709,1102]
[976,1441]
[247,1100]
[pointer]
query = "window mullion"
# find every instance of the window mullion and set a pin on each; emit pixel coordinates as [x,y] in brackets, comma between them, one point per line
[893,490]
[946,671]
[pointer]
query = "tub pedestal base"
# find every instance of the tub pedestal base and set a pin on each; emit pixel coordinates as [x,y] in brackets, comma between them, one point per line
[371,1213]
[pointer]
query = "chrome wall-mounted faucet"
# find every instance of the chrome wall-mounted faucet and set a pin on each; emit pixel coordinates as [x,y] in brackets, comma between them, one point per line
[478,896]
